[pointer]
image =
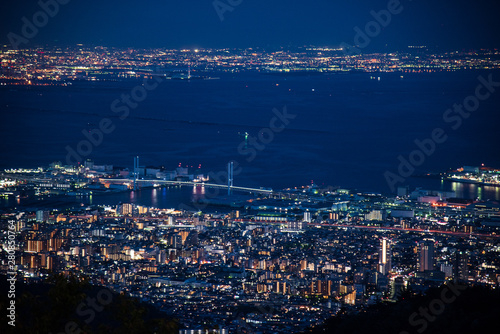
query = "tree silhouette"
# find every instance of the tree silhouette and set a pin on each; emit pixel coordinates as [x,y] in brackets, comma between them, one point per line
[51,307]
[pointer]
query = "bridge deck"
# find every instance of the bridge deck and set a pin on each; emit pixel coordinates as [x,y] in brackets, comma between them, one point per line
[213,185]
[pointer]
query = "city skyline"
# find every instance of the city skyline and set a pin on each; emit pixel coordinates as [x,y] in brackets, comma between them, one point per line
[310,251]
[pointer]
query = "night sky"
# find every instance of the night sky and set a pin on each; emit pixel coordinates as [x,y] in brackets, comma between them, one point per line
[447,24]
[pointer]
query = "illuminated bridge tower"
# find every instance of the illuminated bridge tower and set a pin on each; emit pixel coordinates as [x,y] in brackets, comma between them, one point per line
[136,171]
[230,176]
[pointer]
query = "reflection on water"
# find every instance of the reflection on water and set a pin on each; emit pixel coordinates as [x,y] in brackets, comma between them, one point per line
[199,189]
[474,191]
[154,197]
[183,197]
[177,196]
[170,197]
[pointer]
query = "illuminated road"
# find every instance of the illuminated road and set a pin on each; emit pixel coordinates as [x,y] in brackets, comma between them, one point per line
[458,234]
[385,228]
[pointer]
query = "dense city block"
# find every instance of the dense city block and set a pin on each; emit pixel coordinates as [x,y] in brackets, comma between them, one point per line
[283,261]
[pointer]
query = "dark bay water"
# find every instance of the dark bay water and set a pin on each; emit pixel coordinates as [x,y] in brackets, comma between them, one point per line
[348,129]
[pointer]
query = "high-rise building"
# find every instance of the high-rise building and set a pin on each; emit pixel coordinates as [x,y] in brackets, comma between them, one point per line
[307,216]
[176,241]
[162,256]
[42,216]
[126,209]
[142,209]
[397,287]
[321,287]
[385,255]
[426,259]
[378,215]
[295,225]
[447,269]
[461,266]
